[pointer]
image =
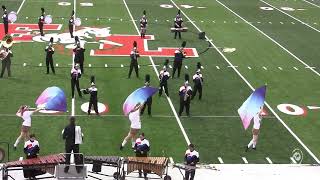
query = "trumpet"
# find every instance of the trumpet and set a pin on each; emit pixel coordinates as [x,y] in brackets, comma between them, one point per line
[186,95]
[6,43]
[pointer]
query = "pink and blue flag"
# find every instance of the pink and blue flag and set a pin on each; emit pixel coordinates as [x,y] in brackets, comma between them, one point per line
[252,106]
[53,99]
[138,96]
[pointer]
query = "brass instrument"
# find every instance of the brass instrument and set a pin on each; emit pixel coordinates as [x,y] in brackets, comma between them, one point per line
[6,43]
[186,95]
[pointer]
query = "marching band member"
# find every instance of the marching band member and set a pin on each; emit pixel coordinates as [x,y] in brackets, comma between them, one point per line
[134,117]
[5,20]
[143,25]
[178,58]
[49,60]
[163,77]
[134,60]
[73,137]
[93,98]
[31,149]
[71,23]
[185,93]
[75,75]
[41,21]
[255,130]
[6,62]
[198,82]
[25,113]
[141,148]
[79,54]
[178,25]
[191,159]
[149,100]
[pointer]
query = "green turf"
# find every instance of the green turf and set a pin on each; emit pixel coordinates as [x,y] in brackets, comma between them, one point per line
[214,126]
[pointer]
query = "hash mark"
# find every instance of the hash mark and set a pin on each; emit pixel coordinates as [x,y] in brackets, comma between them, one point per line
[217,67]
[220,160]
[244,160]
[269,160]
[295,68]
[264,68]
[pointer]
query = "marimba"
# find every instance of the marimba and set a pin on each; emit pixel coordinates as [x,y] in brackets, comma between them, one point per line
[157,165]
[98,161]
[183,29]
[42,165]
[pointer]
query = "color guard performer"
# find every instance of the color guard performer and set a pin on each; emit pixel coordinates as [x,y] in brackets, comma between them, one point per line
[149,100]
[143,25]
[79,53]
[49,59]
[255,130]
[141,148]
[198,82]
[75,75]
[41,21]
[25,113]
[134,60]
[178,25]
[134,117]
[71,23]
[163,77]
[185,93]
[179,55]
[5,20]
[191,159]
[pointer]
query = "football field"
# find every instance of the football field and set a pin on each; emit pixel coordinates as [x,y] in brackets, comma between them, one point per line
[249,43]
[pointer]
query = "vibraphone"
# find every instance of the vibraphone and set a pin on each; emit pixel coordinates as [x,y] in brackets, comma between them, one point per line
[183,29]
[98,161]
[43,164]
[157,165]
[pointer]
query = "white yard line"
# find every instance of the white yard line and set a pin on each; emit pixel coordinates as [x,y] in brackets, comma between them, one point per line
[73,100]
[269,160]
[311,3]
[245,160]
[297,58]
[20,6]
[291,16]
[246,81]
[157,73]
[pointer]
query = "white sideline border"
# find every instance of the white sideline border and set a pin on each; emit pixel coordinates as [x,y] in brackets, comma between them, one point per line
[306,24]
[251,87]
[274,41]
[157,73]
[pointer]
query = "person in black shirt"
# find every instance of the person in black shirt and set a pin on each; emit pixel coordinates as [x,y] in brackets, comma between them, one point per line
[163,77]
[179,55]
[134,60]
[71,23]
[191,158]
[93,98]
[79,54]
[178,25]
[143,25]
[5,20]
[149,100]
[49,60]
[71,135]
[41,21]
[198,82]
[185,93]
[6,62]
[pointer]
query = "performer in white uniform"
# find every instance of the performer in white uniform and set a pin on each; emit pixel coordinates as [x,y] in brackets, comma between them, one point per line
[255,130]
[25,113]
[134,117]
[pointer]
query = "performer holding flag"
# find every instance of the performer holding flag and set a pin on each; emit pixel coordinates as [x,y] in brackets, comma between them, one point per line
[179,55]
[198,82]
[255,130]
[41,21]
[134,60]
[149,100]
[143,25]
[164,75]
[5,20]
[49,60]
[71,23]
[185,93]
[25,113]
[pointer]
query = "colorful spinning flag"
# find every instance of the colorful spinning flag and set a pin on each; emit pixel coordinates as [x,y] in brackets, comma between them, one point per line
[138,96]
[52,98]
[252,106]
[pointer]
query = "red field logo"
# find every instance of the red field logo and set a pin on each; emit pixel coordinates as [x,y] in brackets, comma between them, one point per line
[108,44]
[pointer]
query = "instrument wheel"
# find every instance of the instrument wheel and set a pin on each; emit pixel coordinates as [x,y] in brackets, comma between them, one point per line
[167,177]
[116,175]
